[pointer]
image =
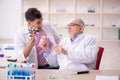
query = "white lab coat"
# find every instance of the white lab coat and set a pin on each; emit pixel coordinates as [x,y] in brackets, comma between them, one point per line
[22,37]
[82,53]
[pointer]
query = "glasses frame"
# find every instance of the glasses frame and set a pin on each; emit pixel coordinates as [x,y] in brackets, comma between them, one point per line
[73,24]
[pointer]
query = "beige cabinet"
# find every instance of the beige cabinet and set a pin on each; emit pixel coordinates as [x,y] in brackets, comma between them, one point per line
[101,17]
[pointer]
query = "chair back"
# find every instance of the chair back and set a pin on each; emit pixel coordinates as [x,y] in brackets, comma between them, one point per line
[99,56]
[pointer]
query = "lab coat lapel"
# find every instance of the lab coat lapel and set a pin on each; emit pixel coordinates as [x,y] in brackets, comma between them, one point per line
[49,33]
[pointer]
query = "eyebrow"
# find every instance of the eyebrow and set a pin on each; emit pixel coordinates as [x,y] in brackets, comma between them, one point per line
[76,24]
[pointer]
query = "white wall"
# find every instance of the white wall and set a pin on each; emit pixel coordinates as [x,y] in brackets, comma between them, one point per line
[10,18]
[111,56]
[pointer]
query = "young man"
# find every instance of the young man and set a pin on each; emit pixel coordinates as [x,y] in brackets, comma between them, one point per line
[79,51]
[28,38]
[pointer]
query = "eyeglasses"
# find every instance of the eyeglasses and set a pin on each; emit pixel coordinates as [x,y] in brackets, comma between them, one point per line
[71,25]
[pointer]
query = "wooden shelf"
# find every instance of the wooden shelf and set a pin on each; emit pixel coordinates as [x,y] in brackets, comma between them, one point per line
[91,27]
[59,13]
[88,13]
[111,13]
[111,40]
[59,26]
[108,27]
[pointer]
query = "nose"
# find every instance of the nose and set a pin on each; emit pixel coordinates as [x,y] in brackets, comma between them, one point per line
[40,25]
[68,27]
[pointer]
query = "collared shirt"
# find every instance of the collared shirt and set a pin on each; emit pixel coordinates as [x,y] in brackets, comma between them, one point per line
[40,52]
[75,37]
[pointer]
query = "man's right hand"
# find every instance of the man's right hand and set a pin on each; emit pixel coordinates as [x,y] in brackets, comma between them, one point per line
[32,41]
[29,46]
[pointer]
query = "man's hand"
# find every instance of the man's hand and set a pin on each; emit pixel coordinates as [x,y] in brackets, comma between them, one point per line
[32,40]
[59,49]
[29,46]
[43,43]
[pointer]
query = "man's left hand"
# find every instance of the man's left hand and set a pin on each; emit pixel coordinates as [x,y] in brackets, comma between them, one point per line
[59,49]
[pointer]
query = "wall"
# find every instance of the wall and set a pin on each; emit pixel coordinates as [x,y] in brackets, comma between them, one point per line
[10,19]
[111,56]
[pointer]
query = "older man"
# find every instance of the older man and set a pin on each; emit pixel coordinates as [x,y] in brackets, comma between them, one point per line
[79,51]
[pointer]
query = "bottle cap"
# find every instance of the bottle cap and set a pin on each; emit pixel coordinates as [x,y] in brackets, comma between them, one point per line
[32,65]
[21,66]
[15,65]
[8,65]
[1,55]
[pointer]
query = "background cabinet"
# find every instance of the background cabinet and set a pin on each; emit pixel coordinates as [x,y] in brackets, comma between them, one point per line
[111,20]
[102,19]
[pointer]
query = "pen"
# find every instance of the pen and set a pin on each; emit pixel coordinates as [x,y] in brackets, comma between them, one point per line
[82,72]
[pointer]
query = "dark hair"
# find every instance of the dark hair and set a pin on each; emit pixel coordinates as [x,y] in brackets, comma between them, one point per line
[32,13]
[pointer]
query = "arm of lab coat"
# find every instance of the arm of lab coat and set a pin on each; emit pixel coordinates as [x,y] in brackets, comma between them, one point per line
[51,58]
[56,36]
[86,54]
[19,46]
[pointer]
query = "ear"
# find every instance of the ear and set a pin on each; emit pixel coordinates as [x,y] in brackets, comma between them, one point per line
[29,23]
[81,29]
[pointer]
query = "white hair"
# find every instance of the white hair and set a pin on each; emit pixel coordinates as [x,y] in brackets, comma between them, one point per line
[80,21]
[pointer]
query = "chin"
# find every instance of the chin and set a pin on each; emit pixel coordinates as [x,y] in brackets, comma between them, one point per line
[39,29]
[69,32]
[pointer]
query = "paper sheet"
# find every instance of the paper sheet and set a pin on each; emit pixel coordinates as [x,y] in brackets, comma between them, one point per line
[101,77]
